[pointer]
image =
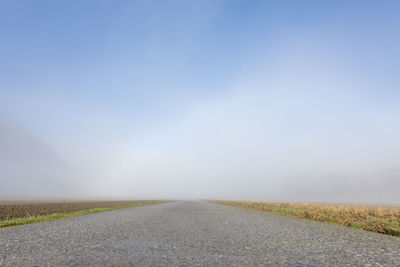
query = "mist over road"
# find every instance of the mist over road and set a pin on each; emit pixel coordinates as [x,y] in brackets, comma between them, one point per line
[192,233]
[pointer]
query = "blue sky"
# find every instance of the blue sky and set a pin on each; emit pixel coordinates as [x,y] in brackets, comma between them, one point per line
[167,78]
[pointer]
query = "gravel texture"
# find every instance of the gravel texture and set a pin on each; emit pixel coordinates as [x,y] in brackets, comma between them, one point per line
[193,233]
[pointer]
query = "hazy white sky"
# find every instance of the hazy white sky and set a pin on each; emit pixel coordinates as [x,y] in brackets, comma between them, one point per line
[265,100]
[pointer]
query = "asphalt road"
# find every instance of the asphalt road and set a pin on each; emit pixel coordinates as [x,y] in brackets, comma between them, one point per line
[193,233]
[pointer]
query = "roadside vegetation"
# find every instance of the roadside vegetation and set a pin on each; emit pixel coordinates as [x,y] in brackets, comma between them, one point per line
[385,220]
[19,220]
[23,209]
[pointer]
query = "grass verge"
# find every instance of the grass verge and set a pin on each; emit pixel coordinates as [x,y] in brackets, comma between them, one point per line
[56,216]
[385,220]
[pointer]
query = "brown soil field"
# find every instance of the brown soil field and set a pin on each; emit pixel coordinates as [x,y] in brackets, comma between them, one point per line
[21,209]
[380,219]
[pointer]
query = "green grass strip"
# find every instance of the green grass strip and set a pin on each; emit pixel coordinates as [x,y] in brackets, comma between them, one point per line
[56,216]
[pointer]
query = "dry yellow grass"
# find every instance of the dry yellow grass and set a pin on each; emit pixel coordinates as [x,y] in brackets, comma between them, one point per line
[385,220]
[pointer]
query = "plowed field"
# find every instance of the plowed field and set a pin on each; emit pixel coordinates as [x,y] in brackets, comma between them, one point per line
[10,210]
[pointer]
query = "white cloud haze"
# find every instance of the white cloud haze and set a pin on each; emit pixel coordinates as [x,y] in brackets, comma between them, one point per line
[302,117]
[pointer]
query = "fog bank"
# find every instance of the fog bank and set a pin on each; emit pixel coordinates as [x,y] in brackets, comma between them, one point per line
[257,100]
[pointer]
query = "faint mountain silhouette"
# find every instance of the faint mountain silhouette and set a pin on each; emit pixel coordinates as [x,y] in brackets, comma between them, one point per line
[29,166]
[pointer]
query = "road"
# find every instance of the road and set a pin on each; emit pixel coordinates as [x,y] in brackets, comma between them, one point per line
[193,233]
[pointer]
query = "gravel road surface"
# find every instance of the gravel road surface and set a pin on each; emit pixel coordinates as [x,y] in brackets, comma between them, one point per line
[193,233]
